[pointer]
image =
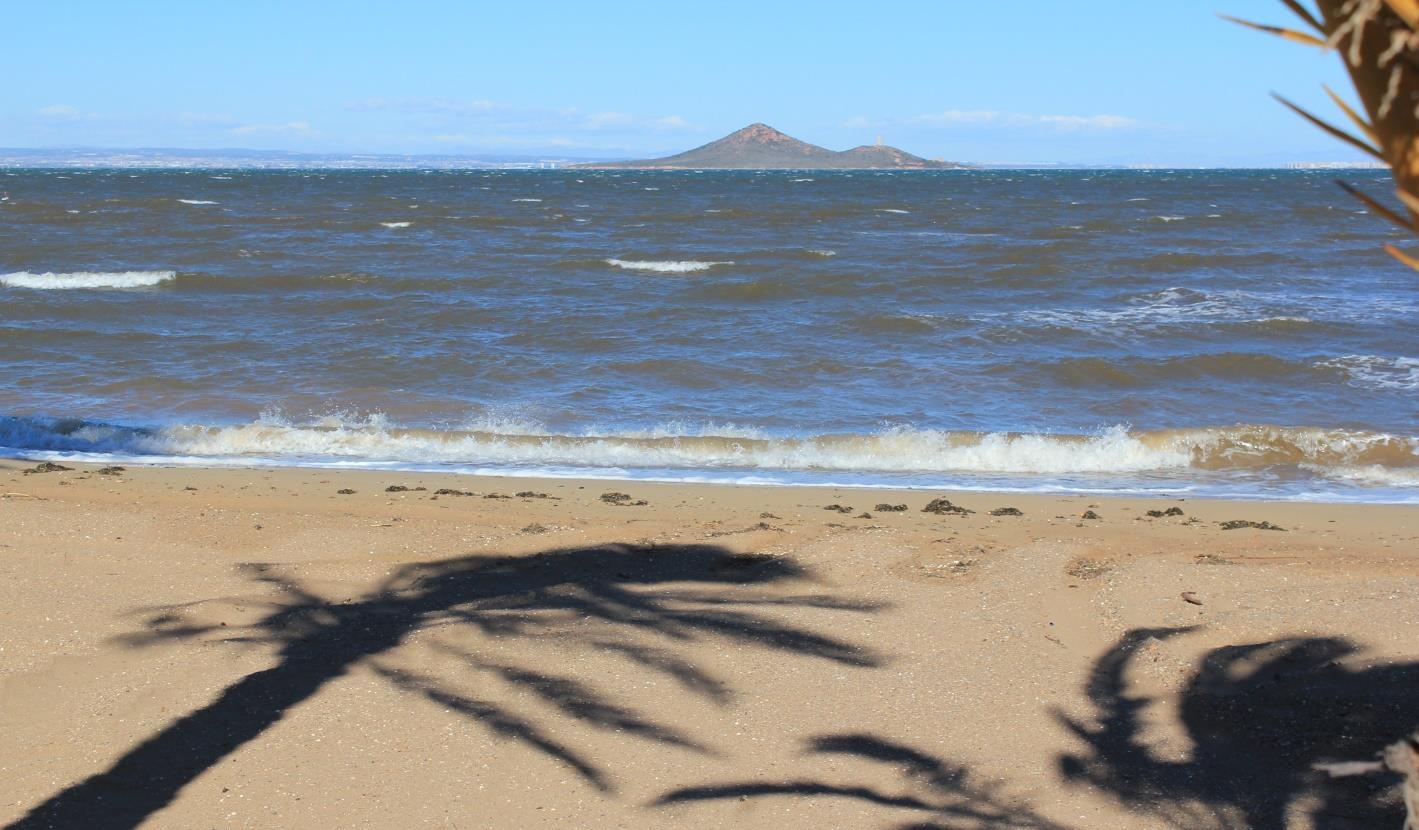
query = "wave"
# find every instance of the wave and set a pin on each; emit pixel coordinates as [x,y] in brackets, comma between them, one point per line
[86,279]
[396,224]
[1377,372]
[1344,456]
[665,266]
[196,202]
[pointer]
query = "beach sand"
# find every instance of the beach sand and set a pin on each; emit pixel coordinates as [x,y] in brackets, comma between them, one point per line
[184,647]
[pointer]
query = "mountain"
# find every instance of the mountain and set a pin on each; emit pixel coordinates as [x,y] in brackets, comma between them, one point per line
[761,147]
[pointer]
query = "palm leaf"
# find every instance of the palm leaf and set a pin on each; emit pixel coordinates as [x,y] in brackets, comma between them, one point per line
[1402,257]
[1279,31]
[1333,130]
[1376,206]
[1364,125]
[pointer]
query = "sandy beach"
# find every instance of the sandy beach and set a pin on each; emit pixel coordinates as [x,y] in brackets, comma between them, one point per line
[187,647]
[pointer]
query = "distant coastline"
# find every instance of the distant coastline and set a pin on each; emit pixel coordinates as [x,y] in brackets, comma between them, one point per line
[161,158]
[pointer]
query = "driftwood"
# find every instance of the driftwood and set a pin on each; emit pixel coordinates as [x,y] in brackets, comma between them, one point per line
[1401,758]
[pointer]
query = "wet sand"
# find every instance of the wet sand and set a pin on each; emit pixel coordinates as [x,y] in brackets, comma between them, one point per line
[221,648]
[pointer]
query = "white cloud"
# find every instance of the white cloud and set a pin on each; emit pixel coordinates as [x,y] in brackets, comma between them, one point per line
[453,118]
[999,118]
[294,128]
[61,112]
[425,106]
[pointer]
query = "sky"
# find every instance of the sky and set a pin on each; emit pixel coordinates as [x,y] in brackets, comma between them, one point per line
[1099,81]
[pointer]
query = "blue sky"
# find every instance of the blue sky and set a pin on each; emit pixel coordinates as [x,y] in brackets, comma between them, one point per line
[1097,81]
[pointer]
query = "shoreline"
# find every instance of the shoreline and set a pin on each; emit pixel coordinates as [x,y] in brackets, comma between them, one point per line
[527,653]
[1392,495]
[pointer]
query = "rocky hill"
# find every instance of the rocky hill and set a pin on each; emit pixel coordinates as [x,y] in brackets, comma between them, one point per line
[761,147]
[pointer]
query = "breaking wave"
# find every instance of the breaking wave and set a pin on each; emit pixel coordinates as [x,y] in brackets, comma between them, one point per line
[684,266]
[86,279]
[1336,456]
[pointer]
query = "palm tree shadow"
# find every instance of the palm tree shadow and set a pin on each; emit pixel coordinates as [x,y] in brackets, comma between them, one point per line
[1258,716]
[696,595]
[945,792]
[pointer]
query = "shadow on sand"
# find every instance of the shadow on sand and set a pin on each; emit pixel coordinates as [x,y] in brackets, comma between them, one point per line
[941,795]
[672,593]
[1258,716]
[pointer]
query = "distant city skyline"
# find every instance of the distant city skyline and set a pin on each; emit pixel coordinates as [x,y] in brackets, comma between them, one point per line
[1123,84]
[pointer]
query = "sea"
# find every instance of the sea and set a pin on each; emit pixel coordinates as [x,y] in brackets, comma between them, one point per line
[1157,332]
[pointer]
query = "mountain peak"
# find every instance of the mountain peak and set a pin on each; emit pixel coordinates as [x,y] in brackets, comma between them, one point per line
[761,147]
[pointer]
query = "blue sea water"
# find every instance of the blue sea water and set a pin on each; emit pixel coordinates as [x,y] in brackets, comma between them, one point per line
[1207,332]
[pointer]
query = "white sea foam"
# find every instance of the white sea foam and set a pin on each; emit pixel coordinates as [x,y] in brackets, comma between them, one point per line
[823,252]
[86,279]
[396,224]
[527,200]
[1115,456]
[892,210]
[197,201]
[1378,372]
[1170,218]
[665,266]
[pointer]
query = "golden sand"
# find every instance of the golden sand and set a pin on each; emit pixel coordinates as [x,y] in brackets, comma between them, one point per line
[252,648]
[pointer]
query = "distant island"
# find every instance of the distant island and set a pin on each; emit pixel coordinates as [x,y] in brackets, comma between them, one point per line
[761,147]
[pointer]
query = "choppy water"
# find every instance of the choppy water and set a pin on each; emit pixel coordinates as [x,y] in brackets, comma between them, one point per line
[1205,332]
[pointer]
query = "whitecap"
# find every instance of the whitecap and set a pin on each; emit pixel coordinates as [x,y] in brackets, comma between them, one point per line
[1376,371]
[86,279]
[892,210]
[665,266]
[527,200]
[197,201]
[395,224]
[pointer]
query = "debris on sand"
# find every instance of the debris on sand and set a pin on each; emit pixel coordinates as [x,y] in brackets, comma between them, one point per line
[1088,514]
[1212,559]
[111,471]
[944,507]
[534,528]
[1171,511]
[346,492]
[449,491]
[47,467]
[1007,511]
[1191,598]
[1085,568]
[751,529]
[622,500]
[863,515]
[1236,524]
[891,508]
[528,494]
[841,508]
